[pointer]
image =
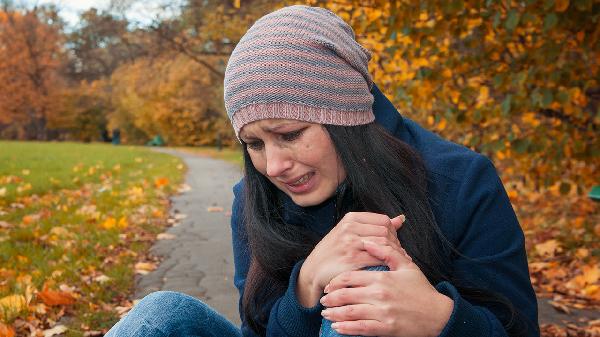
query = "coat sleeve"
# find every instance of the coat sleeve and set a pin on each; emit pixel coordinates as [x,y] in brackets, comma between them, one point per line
[492,255]
[287,317]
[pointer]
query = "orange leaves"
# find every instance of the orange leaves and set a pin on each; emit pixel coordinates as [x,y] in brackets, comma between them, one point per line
[561,5]
[6,331]
[56,297]
[161,182]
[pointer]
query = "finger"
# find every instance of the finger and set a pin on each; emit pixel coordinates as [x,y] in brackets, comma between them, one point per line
[360,327]
[398,221]
[351,313]
[359,295]
[351,279]
[383,241]
[363,229]
[391,257]
[369,218]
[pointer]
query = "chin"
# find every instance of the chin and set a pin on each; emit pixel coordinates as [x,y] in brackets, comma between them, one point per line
[307,200]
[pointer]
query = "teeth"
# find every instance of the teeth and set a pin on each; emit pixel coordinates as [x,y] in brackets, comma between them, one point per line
[302,180]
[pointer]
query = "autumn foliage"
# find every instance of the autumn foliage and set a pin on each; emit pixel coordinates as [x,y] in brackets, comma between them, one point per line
[515,80]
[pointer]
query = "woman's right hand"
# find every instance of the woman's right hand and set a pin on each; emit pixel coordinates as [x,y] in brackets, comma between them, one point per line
[342,250]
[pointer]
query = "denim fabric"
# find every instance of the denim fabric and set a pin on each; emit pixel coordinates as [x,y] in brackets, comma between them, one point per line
[170,314]
[326,330]
[173,314]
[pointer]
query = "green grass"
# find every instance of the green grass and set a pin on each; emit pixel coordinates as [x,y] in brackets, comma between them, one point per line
[227,154]
[70,213]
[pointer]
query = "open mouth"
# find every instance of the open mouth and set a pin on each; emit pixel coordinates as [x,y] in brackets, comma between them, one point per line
[303,184]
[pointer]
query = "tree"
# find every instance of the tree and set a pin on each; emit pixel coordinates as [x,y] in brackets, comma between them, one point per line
[172,96]
[100,44]
[515,80]
[30,53]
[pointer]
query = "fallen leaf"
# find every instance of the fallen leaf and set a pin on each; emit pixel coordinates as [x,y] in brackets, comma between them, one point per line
[548,248]
[184,188]
[560,307]
[144,267]
[160,182]
[102,279]
[109,223]
[57,330]
[6,330]
[165,236]
[55,298]
[12,304]
[2,193]
[123,223]
[214,209]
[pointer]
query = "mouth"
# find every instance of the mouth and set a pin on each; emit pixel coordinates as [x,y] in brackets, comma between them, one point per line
[302,184]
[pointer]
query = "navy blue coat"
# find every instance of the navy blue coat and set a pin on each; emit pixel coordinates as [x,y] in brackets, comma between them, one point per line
[471,208]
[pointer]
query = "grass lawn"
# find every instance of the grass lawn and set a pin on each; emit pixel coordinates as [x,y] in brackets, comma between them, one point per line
[74,220]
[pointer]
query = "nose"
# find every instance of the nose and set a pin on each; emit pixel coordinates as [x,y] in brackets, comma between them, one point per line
[278,160]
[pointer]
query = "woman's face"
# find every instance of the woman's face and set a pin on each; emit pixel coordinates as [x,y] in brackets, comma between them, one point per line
[298,157]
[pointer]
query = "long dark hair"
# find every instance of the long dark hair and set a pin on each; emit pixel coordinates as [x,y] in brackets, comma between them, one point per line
[372,158]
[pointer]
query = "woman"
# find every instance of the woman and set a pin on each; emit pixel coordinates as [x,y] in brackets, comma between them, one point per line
[351,219]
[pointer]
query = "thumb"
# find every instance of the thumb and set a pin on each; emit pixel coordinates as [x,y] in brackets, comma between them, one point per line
[398,221]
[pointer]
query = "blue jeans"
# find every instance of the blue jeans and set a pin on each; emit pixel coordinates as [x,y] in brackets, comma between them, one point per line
[173,314]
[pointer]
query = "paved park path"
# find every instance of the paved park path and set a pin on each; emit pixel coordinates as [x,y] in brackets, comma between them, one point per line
[198,260]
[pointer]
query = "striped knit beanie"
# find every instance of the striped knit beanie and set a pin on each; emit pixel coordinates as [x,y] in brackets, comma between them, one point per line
[299,63]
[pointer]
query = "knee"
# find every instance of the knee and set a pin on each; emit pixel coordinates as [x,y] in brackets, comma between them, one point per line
[167,302]
[162,313]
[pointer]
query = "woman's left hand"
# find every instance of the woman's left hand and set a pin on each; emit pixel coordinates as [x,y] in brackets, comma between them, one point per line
[400,302]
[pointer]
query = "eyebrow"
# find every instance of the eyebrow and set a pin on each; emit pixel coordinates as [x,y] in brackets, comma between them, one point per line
[269,129]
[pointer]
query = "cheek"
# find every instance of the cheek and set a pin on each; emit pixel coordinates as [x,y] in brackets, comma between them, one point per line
[259,162]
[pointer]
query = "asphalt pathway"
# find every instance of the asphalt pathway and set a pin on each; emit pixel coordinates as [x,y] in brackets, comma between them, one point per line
[197,259]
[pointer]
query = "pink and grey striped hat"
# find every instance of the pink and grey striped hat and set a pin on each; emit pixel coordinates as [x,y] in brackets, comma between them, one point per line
[299,63]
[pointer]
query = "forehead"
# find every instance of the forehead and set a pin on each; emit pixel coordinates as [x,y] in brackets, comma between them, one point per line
[269,125]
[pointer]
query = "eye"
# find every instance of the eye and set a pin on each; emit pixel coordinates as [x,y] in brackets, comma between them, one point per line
[256,145]
[291,136]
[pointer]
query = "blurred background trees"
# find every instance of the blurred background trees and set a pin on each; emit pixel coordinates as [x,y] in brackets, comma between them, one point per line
[515,80]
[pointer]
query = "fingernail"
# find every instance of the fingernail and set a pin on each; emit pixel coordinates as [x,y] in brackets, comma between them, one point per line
[325,313]
[326,290]
[323,299]
[335,325]
[402,217]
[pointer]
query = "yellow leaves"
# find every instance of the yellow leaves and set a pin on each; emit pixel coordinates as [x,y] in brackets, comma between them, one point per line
[109,223]
[12,305]
[473,23]
[144,268]
[484,95]
[236,3]
[112,222]
[548,248]
[441,124]
[589,276]
[531,119]
[561,5]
